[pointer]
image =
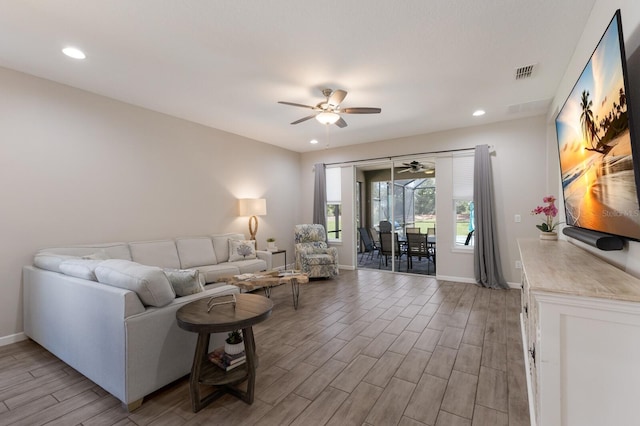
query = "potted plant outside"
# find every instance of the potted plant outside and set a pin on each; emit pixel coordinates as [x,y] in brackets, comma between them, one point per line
[233,344]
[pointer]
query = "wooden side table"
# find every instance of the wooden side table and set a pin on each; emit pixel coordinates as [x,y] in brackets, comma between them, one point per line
[223,316]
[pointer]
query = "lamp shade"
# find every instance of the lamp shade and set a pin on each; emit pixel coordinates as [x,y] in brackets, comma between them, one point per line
[252,206]
[328,117]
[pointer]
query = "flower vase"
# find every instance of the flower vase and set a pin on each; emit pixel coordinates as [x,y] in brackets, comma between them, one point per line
[549,236]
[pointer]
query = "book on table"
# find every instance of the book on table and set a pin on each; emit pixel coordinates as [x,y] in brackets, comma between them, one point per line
[226,361]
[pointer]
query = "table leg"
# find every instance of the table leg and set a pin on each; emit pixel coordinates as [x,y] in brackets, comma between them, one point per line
[267,291]
[199,357]
[295,291]
[250,351]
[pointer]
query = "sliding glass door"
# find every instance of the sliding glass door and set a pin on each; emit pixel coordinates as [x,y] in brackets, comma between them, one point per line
[396,198]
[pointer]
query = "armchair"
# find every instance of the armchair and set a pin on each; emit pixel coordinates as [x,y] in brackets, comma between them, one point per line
[313,255]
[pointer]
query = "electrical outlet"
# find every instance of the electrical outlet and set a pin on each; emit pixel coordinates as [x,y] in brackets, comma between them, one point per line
[518,264]
[518,218]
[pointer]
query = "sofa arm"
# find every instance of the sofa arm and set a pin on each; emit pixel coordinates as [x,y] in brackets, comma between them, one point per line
[266,256]
[81,322]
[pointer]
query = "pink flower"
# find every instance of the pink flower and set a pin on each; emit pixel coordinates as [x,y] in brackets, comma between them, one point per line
[550,211]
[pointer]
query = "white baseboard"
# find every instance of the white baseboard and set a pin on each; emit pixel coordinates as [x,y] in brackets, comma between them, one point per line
[516,286]
[347,267]
[455,279]
[12,338]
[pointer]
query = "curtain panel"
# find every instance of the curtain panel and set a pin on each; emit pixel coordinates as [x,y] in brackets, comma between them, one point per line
[320,196]
[486,254]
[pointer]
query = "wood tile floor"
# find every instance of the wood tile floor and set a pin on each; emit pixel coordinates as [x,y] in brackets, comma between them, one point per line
[368,348]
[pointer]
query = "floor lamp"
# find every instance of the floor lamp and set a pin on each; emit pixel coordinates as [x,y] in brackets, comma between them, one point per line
[252,207]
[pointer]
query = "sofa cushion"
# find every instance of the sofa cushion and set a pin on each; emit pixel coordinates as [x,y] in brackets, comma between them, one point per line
[51,261]
[108,250]
[241,250]
[221,245]
[99,255]
[212,272]
[250,266]
[185,281]
[149,282]
[80,268]
[155,253]
[195,252]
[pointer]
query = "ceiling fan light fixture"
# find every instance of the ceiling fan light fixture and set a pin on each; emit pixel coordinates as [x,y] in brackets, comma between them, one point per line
[328,117]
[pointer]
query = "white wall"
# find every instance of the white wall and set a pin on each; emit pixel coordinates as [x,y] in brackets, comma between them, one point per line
[519,167]
[80,168]
[603,10]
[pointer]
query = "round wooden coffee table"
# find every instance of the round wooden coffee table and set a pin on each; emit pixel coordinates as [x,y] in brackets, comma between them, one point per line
[219,315]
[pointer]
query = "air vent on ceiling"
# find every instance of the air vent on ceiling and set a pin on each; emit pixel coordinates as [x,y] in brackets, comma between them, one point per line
[524,72]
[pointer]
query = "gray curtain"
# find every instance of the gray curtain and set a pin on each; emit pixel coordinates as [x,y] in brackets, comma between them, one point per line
[486,254]
[320,196]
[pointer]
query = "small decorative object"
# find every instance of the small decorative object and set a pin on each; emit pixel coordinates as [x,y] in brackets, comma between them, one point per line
[233,344]
[271,244]
[548,227]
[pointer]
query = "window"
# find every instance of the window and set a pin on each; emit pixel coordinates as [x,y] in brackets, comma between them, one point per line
[463,201]
[334,204]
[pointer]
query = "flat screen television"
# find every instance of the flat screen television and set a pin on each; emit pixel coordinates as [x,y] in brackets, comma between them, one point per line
[598,151]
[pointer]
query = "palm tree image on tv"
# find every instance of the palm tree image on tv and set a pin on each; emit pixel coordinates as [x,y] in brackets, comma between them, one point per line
[594,143]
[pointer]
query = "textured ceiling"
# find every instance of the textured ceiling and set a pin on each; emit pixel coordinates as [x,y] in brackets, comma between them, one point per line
[427,63]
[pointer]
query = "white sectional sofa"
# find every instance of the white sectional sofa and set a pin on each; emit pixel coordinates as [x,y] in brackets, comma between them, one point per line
[122,333]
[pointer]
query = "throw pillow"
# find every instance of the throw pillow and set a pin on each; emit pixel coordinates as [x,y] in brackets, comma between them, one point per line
[241,250]
[185,281]
[80,268]
[51,261]
[148,282]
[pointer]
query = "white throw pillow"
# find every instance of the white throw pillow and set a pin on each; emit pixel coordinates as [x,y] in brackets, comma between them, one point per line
[185,281]
[51,261]
[80,268]
[149,282]
[241,250]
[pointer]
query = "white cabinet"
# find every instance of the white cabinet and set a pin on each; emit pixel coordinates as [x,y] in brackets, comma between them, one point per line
[581,337]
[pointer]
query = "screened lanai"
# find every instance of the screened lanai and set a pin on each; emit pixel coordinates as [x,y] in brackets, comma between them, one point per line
[408,200]
[414,203]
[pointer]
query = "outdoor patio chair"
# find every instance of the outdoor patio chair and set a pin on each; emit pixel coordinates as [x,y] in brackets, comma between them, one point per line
[367,243]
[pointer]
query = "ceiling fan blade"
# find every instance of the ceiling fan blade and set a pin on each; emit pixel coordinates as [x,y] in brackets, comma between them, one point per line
[336,97]
[294,104]
[309,117]
[403,171]
[361,110]
[341,122]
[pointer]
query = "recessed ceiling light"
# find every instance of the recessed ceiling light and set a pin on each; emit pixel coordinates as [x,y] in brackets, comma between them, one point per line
[478,113]
[74,53]
[313,141]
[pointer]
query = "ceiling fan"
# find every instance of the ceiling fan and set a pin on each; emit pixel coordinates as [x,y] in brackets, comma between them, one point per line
[328,111]
[417,167]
